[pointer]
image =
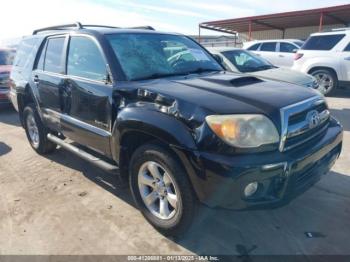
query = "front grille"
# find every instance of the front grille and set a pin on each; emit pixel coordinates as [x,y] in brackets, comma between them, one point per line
[303,122]
[298,117]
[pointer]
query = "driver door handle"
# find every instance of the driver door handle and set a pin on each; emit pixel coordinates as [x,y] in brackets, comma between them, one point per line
[36,79]
[347,58]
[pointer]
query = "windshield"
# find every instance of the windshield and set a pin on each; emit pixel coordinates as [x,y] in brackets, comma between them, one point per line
[6,57]
[146,56]
[247,62]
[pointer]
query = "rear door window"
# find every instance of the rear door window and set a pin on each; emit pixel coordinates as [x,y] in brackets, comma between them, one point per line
[268,47]
[53,56]
[322,42]
[40,63]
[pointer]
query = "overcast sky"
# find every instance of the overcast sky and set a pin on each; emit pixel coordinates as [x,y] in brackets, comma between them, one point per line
[20,17]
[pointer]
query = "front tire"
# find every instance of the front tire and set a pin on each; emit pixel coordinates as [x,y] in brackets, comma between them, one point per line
[327,80]
[36,131]
[161,190]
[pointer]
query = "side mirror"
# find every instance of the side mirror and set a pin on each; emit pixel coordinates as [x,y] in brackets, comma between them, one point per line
[218,59]
[295,50]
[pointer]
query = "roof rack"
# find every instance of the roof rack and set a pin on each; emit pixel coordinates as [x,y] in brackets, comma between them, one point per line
[147,27]
[341,29]
[78,25]
[102,26]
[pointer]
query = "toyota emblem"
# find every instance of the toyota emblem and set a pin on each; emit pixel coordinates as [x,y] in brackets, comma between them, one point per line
[313,117]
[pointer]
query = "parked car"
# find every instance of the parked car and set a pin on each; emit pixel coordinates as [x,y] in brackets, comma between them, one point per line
[242,61]
[278,52]
[6,59]
[179,131]
[326,56]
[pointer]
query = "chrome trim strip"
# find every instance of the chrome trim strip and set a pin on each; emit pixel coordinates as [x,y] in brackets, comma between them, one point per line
[309,138]
[270,167]
[85,126]
[58,117]
[289,110]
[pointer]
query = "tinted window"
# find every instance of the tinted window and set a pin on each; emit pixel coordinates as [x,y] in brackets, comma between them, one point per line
[85,59]
[287,48]
[254,47]
[269,47]
[322,42]
[347,48]
[25,52]
[6,57]
[53,57]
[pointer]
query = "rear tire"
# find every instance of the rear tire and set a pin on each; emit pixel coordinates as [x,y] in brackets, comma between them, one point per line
[161,190]
[327,80]
[36,132]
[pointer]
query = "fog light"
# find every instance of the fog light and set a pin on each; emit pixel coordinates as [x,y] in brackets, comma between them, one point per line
[250,189]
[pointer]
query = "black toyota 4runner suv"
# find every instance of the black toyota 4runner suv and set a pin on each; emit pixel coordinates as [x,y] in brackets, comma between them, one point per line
[159,111]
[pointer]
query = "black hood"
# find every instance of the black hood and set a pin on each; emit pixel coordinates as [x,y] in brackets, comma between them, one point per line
[228,93]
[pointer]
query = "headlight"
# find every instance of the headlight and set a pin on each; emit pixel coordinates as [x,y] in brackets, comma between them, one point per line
[244,131]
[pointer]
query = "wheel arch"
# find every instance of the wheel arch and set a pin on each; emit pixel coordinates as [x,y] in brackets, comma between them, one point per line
[136,127]
[25,97]
[315,68]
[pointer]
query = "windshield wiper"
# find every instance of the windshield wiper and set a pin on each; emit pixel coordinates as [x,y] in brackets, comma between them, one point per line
[201,70]
[264,67]
[162,75]
[156,75]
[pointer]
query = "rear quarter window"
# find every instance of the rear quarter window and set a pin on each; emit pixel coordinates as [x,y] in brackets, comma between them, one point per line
[347,48]
[322,42]
[26,52]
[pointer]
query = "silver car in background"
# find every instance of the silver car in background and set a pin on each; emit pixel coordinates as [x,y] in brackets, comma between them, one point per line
[243,61]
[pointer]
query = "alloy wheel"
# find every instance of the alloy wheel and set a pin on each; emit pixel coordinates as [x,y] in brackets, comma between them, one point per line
[33,130]
[158,190]
[325,82]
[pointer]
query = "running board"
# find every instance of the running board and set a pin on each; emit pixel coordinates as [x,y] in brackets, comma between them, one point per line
[82,154]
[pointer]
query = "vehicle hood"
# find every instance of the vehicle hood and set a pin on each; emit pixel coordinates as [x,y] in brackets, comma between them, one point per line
[215,94]
[5,69]
[286,75]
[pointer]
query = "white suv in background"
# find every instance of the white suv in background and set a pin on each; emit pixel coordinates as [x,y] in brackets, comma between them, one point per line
[326,56]
[278,52]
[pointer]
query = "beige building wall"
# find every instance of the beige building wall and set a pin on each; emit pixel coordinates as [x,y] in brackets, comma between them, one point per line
[298,33]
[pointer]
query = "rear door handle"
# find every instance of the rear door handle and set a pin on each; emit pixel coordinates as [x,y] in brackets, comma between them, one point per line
[36,79]
[347,58]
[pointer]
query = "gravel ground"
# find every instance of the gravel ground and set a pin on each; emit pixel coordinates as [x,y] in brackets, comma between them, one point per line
[60,204]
